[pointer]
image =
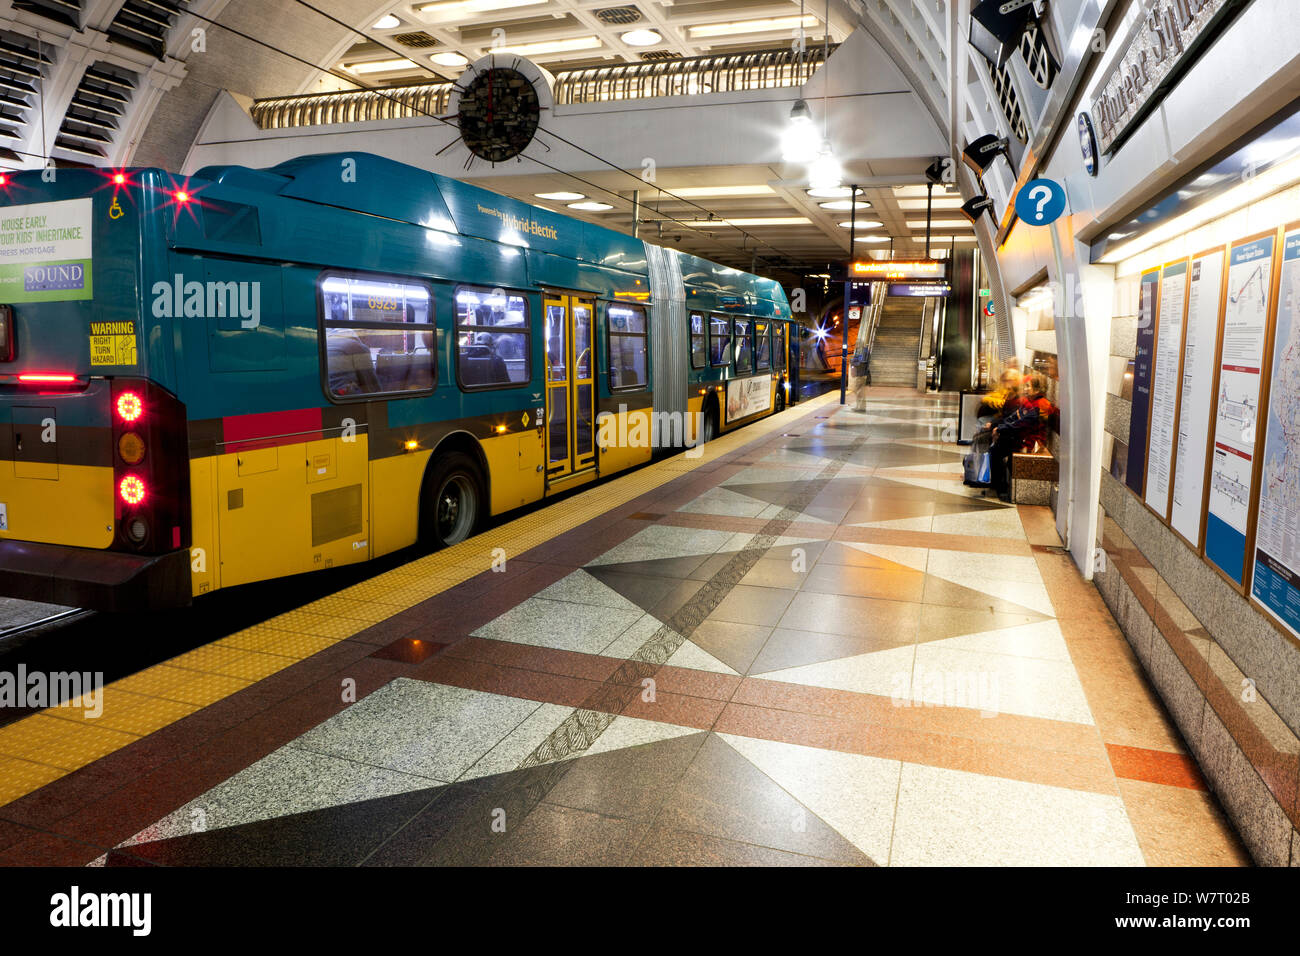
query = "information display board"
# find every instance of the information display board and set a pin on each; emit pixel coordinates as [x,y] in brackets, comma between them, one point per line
[1232,462]
[1275,582]
[1141,400]
[1199,348]
[1164,386]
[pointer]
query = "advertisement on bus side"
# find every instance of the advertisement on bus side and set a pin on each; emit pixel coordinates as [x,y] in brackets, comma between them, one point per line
[748,396]
[45,252]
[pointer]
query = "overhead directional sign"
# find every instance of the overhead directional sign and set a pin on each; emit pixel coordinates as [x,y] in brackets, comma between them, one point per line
[1040,202]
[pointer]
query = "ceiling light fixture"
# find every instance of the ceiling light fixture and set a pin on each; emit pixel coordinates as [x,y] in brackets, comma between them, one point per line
[844,205]
[798,144]
[720,192]
[770,25]
[386,22]
[834,192]
[552,46]
[379,66]
[475,6]
[560,196]
[825,171]
[590,206]
[641,38]
[449,59]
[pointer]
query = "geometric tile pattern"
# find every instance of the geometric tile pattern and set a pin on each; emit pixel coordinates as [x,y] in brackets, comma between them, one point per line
[818,649]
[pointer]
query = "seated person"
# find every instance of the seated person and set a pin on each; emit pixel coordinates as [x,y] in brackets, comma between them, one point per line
[351,369]
[992,405]
[1024,429]
[480,363]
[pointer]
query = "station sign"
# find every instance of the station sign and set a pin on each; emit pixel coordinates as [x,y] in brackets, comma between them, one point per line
[1162,44]
[887,269]
[926,290]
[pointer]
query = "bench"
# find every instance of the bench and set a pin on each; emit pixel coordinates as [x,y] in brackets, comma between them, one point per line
[1032,477]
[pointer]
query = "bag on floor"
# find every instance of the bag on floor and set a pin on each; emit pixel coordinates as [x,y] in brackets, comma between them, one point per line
[977,469]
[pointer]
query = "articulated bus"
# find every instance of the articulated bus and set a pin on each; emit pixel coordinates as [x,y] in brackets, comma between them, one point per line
[213,380]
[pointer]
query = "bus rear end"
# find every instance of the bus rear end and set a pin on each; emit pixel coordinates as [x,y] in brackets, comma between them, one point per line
[94,472]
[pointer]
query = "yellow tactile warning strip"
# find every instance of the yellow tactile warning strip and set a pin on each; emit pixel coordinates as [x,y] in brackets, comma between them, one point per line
[42,748]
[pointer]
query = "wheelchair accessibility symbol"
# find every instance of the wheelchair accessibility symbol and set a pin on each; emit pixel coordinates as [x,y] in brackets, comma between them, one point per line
[116,211]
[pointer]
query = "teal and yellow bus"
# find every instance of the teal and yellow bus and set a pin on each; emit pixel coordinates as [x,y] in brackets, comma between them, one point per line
[212,380]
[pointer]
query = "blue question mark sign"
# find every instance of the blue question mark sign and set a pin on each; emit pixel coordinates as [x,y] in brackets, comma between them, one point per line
[1041,202]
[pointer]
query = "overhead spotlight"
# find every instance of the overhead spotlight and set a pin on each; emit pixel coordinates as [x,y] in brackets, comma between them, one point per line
[996,27]
[799,144]
[980,154]
[973,209]
[825,171]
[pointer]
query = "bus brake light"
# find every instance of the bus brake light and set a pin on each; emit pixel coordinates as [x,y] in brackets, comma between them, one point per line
[131,489]
[129,407]
[45,378]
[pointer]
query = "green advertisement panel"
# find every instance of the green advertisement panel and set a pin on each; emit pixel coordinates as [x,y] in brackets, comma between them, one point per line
[45,252]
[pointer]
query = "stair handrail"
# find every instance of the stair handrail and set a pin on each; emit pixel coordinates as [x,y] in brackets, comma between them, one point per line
[877,308]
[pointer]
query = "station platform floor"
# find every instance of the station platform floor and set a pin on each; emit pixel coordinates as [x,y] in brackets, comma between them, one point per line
[809,645]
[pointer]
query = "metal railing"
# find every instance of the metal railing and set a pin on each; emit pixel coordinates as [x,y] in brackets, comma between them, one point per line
[352,106]
[690,76]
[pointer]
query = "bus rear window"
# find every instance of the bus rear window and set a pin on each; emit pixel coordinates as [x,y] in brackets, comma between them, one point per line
[492,339]
[379,336]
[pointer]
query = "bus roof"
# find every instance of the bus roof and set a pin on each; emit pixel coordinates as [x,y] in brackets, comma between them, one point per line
[383,187]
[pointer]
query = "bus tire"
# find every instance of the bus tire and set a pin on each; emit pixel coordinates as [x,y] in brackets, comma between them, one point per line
[710,427]
[452,500]
[780,397]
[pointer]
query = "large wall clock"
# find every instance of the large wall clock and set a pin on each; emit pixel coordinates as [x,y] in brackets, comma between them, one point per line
[498,104]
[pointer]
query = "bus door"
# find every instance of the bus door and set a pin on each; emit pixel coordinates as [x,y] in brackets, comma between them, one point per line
[570,385]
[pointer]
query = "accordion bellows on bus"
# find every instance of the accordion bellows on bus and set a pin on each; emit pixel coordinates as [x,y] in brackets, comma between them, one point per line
[243,374]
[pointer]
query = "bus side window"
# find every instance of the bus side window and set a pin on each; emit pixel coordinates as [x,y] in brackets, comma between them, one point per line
[699,342]
[492,339]
[627,347]
[379,336]
[719,340]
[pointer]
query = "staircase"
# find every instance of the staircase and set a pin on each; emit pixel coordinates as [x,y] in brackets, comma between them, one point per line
[898,340]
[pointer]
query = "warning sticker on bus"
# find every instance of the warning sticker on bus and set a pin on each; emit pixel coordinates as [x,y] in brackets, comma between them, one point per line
[112,343]
[45,252]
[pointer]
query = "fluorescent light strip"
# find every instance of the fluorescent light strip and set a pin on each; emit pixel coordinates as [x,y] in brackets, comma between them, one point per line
[768,221]
[751,26]
[939,224]
[1238,197]
[475,6]
[379,66]
[719,192]
[552,46]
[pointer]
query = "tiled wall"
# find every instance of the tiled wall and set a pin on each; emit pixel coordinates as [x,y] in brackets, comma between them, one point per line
[1230,679]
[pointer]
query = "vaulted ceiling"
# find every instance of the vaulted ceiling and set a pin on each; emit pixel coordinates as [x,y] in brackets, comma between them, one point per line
[111,82]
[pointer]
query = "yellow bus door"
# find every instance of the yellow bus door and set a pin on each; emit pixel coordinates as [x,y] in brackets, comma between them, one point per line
[570,386]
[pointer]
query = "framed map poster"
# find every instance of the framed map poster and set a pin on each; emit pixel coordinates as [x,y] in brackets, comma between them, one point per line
[1164,386]
[1200,346]
[1275,582]
[1241,357]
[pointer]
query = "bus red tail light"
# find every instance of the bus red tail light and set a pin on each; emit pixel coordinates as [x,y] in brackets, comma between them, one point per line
[151,468]
[129,406]
[132,490]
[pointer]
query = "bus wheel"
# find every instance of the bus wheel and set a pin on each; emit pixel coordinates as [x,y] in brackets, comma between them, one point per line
[780,397]
[710,430]
[452,497]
